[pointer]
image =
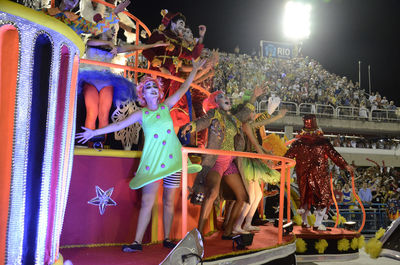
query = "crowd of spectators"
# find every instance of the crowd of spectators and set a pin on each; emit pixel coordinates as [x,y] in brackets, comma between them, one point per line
[362,142]
[377,187]
[298,80]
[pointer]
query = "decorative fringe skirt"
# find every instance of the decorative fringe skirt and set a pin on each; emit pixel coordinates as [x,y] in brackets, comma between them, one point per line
[123,88]
[257,170]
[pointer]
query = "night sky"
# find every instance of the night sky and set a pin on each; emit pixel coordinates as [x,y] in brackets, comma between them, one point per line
[343,32]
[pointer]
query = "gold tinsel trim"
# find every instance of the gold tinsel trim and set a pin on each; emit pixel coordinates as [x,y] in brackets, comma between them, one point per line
[107,245]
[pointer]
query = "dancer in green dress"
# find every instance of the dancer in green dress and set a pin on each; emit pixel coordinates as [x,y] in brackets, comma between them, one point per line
[255,172]
[161,157]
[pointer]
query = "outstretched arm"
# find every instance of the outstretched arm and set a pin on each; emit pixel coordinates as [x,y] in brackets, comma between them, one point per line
[131,48]
[249,132]
[258,91]
[84,136]
[172,100]
[200,123]
[202,32]
[96,42]
[280,115]
[337,158]
[121,7]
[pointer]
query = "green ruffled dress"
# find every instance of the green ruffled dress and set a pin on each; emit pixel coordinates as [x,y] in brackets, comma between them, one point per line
[162,155]
[257,170]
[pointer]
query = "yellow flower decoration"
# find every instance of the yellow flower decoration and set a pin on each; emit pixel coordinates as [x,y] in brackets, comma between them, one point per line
[354,243]
[361,242]
[373,247]
[380,233]
[297,219]
[321,245]
[301,245]
[342,220]
[343,244]
[311,219]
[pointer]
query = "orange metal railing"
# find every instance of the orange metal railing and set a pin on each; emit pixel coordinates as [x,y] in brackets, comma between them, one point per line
[357,198]
[359,201]
[286,164]
[335,202]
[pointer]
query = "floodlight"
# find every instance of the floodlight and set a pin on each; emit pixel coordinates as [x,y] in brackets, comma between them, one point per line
[296,20]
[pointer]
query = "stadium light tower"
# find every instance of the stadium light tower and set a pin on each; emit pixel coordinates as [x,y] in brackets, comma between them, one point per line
[296,20]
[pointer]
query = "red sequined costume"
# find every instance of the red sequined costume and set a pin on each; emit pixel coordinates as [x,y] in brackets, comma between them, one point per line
[311,152]
[170,57]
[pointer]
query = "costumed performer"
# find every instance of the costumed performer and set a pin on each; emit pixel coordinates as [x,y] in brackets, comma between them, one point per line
[79,24]
[206,73]
[169,59]
[311,152]
[254,170]
[161,156]
[224,132]
[101,87]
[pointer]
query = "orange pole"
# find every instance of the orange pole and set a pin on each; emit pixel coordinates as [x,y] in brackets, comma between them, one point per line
[286,162]
[359,201]
[290,141]
[147,71]
[336,206]
[184,191]
[287,173]
[281,203]
[53,3]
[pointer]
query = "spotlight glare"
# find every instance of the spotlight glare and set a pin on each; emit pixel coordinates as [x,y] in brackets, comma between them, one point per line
[296,20]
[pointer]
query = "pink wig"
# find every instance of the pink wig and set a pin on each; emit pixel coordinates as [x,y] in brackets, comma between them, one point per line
[210,103]
[141,85]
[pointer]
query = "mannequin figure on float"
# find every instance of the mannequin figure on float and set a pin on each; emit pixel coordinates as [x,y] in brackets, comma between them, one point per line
[311,152]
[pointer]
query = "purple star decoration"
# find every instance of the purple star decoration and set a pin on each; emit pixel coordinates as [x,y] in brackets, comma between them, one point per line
[103,199]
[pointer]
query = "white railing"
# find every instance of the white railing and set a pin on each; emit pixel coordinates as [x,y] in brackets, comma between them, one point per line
[352,112]
[292,107]
[384,115]
[341,112]
[325,110]
[262,105]
[307,108]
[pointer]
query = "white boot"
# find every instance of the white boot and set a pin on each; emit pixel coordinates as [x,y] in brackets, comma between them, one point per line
[303,213]
[319,215]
